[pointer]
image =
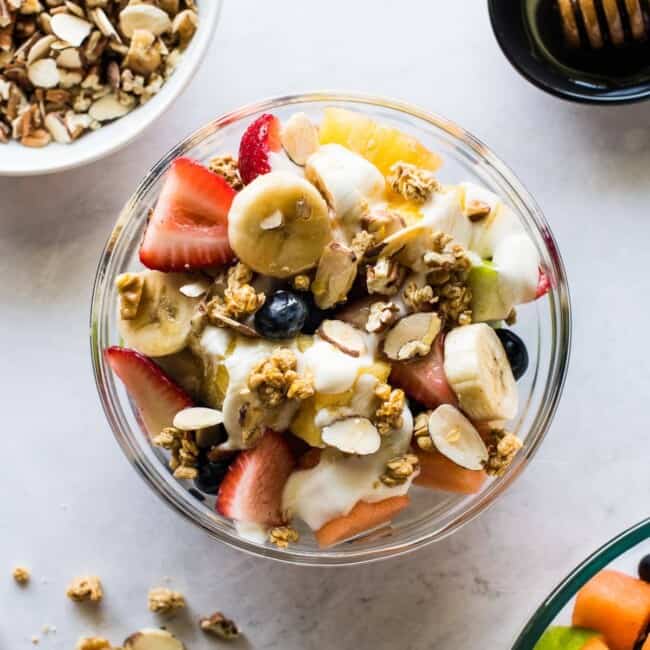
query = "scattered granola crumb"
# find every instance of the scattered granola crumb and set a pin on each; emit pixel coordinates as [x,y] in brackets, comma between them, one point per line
[49,629]
[282,536]
[301,282]
[93,643]
[129,287]
[220,626]
[162,600]
[85,588]
[411,182]
[421,434]
[228,167]
[21,575]
[399,469]
[184,451]
[35,639]
[388,415]
[502,449]
[275,379]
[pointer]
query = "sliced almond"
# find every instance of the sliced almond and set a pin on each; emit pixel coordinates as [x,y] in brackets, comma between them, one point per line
[195,289]
[456,438]
[71,29]
[344,336]
[43,73]
[144,16]
[273,221]
[104,25]
[412,336]
[153,639]
[299,138]
[353,436]
[56,126]
[241,328]
[197,417]
[40,49]
[69,59]
[108,108]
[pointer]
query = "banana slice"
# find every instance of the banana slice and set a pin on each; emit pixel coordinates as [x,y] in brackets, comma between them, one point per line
[162,322]
[347,181]
[478,371]
[455,437]
[279,225]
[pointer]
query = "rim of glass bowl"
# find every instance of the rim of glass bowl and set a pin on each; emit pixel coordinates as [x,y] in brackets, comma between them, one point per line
[567,589]
[560,325]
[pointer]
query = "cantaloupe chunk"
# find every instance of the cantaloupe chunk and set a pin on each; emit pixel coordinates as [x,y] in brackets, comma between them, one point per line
[362,517]
[615,604]
[440,473]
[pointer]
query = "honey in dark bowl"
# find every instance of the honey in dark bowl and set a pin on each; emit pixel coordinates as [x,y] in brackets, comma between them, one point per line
[610,66]
[533,37]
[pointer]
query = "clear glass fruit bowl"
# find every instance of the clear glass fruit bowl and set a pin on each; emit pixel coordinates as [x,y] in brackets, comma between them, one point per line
[622,553]
[544,325]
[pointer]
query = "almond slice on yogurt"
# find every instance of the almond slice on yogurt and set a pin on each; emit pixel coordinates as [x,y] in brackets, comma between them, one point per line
[412,336]
[343,336]
[197,417]
[353,435]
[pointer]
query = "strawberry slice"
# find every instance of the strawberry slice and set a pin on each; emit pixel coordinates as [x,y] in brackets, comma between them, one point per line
[261,137]
[189,225]
[252,489]
[157,398]
[543,284]
[425,380]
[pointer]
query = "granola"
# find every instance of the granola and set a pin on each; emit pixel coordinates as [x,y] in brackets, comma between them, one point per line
[421,435]
[220,626]
[85,588]
[282,536]
[129,287]
[276,379]
[301,282]
[240,299]
[413,183]
[184,451]
[227,167]
[67,68]
[21,575]
[93,643]
[385,276]
[382,315]
[398,470]
[162,600]
[389,414]
[502,449]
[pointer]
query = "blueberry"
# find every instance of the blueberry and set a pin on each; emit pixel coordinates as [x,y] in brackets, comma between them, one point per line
[282,315]
[644,568]
[211,473]
[516,350]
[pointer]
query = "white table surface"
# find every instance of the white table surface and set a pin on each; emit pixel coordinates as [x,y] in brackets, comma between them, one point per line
[71,504]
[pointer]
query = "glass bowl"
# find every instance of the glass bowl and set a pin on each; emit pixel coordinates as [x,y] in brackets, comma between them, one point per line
[544,325]
[622,553]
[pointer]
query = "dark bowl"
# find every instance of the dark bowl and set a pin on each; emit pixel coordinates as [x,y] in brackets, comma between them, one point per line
[508,18]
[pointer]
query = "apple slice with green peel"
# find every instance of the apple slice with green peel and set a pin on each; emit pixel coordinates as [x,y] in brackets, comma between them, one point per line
[570,638]
[488,303]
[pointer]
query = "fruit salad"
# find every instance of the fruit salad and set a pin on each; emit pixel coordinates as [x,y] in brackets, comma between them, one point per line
[611,612]
[321,325]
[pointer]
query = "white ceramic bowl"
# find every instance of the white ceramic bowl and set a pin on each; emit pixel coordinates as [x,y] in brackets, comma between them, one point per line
[18,160]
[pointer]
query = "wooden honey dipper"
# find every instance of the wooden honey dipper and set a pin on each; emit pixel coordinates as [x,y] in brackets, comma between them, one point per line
[618,22]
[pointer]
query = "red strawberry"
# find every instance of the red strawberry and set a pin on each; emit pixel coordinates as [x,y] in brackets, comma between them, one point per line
[157,398]
[543,284]
[262,136]
[424,380]
[252,489]
[189,225]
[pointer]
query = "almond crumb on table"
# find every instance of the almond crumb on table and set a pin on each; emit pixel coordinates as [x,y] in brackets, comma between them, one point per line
[93,643]
[85,588]
[220,626]
[162,600]
[21,575]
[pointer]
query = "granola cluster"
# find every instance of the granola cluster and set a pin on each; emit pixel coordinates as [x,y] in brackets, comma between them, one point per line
[421,435]
[85,588]
[220,626]
[385,276]
[68,67]
[184,451]
[382,315]
[389,414]
[227,166]
[21,575]
[502,449]
[411,182]
[239,300]
[282,536]
[129,287]
[162,600]
[275,379]
[398,470]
